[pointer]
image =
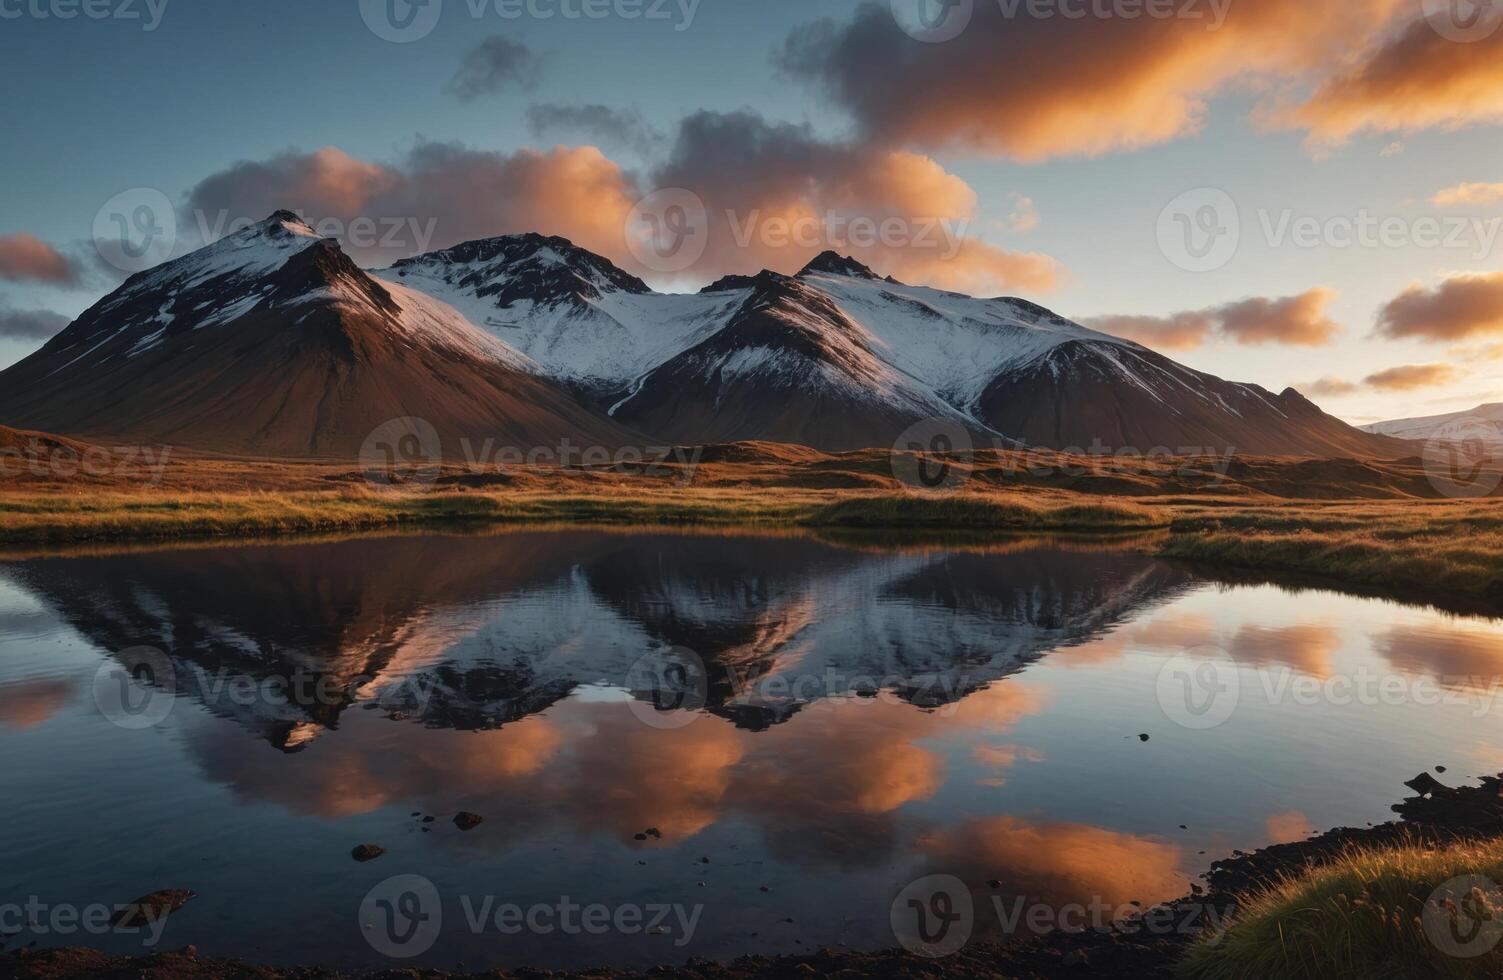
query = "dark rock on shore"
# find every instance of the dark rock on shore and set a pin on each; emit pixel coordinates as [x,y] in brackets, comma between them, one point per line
[151,908]
[465,820]
[367,852]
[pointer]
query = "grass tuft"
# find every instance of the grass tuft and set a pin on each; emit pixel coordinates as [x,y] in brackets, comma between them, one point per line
[1364,916]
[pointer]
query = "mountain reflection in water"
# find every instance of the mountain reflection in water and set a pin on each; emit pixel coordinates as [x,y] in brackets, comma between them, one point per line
[862,715]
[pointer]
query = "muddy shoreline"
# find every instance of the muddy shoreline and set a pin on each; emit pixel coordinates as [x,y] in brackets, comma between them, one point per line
[1436,815]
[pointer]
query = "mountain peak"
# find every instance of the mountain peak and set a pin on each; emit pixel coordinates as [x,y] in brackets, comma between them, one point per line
[523,267]
[833,263]
[283,221]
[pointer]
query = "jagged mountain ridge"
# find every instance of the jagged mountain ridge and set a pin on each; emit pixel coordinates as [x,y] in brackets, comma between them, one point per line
[272,341]
[839,358]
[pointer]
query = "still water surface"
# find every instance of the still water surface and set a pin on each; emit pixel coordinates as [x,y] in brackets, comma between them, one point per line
[825,722]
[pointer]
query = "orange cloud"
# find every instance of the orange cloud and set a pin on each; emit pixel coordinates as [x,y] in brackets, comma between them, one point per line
[1456,657]
[1291,825]
[1468,195]
[999,758]
[1178,331]
[1462,306]
[1418,79]
[1295,320]
[756,178]
[1407,377]
[1328,386]
[1307,648]
[27,704]
[26,258]
[1061,862]
[774,196]
[1035,88]
[447,191]
[1298,320]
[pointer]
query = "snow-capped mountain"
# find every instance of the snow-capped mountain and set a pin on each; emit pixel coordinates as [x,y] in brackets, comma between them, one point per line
[272,341]
[1483,423]
[839,358]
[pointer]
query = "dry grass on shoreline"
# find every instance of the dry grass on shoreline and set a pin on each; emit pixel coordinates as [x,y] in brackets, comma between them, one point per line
[1444,550]
[38,519]
[1372,913]
[1359,523]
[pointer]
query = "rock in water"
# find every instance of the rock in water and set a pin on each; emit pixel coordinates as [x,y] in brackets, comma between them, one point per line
[367,852]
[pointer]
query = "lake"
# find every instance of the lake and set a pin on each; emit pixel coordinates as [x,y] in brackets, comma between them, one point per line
[680,744]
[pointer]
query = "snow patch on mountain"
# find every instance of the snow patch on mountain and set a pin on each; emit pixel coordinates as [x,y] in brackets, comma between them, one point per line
[953,343]
[601,342]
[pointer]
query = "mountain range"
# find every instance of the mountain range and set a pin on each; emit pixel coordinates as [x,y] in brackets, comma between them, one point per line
[272,341]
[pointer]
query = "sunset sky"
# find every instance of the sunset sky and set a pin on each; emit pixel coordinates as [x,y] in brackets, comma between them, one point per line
[1357,145]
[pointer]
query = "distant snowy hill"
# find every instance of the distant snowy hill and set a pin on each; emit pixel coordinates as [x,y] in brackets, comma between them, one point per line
[1485,422]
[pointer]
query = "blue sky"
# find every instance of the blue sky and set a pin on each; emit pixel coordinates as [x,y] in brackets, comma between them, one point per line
[101,106]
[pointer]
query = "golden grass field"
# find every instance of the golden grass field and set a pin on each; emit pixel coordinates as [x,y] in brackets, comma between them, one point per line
[1375,525]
